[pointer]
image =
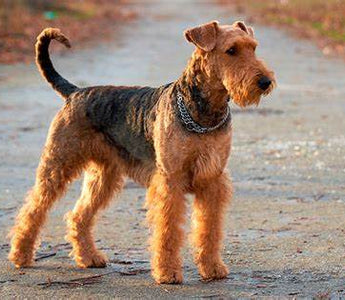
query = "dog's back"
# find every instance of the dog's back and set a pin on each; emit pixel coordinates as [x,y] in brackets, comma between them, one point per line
[125,116]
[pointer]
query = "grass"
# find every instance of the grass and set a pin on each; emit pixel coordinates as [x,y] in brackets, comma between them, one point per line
[84,21]
[320,20]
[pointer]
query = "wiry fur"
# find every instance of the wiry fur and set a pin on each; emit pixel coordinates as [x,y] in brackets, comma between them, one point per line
[116,132]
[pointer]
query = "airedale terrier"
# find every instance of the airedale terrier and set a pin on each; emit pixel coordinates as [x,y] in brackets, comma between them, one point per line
[174,139]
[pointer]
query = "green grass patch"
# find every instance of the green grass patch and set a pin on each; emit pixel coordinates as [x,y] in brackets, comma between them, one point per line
[330,33]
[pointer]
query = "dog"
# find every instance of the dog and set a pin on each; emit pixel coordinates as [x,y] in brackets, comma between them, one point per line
[174,139]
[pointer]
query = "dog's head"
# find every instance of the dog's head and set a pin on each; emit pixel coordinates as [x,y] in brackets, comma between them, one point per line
[229,59]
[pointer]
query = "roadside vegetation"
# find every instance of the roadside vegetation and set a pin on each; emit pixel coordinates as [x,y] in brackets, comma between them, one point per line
[83,21]
[319,20]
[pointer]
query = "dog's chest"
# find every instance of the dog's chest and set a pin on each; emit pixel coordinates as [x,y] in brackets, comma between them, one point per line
[211,158]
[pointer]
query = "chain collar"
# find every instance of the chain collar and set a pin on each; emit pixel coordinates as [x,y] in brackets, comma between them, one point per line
[193,126]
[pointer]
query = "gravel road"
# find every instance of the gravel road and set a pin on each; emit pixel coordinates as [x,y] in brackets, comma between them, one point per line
[286,225]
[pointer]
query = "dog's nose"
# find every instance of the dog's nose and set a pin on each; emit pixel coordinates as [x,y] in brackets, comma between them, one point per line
[264,82]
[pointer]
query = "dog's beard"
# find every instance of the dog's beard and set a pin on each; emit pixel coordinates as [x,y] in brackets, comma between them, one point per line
[249,96]
[245,98]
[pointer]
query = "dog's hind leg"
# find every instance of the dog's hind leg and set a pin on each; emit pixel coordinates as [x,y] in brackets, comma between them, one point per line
[60,163]
[211,199]
[101,182]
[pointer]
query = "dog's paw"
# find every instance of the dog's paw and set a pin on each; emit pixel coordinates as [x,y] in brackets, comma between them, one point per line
[96,260]
[168,277]
[21,260]
[213,271]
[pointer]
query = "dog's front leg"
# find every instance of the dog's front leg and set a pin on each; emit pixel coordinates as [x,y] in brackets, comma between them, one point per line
[166,214]
[211,199]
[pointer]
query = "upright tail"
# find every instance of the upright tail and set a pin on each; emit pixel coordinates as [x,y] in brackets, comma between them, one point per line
[44,64]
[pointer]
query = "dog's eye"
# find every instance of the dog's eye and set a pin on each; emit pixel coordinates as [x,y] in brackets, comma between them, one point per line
[231,51]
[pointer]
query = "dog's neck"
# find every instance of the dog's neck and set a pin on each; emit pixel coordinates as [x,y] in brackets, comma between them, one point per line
[205,98]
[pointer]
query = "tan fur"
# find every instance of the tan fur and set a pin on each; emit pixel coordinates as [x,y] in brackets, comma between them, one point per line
[185,163]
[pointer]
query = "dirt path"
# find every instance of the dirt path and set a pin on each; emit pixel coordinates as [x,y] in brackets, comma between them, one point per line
[286,225]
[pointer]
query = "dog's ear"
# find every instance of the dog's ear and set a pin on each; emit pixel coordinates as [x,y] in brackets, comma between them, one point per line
[247,29]
[250,31]
[203,36]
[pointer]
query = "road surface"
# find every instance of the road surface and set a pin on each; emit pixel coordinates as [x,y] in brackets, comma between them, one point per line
[286,224]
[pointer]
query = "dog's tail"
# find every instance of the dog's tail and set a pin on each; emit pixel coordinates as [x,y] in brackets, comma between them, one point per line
[44,64]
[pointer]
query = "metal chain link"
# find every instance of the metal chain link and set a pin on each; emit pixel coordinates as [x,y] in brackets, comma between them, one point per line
[190,124]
